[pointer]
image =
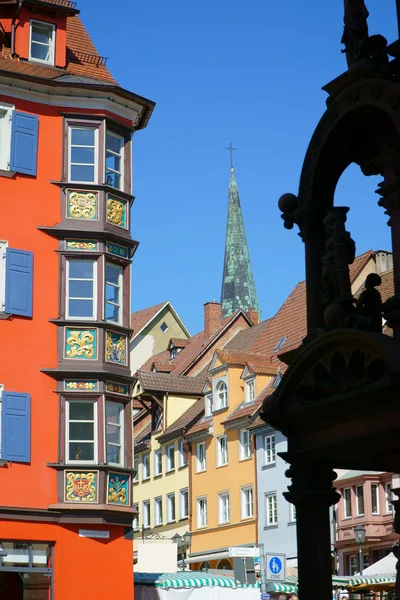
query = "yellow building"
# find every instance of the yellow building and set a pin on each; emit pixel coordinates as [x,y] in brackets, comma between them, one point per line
[222,465]
[160,491]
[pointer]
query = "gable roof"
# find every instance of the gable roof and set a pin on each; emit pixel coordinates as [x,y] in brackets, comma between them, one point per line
[141,318]
[165,382]
[246,338]
[236,358]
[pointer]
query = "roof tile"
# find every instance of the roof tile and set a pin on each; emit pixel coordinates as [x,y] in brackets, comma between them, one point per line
[166,382]
[140,318]
[190,417]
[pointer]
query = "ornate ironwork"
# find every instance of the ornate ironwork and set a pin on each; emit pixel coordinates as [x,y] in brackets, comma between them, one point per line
[149,534]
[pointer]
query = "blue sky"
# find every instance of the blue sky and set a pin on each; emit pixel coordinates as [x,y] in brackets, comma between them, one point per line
[247,72]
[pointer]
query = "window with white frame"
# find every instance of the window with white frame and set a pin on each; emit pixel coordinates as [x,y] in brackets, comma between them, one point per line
[136,467]
[201,463]
[184,504]
[158,511]
[222,450]
[182,453]
[208,404]
[201,509]
[42,42]
[113,293]
[115,433]
[224,513]
[347,503]
[114,160]
[271,507]
[83,154]
[146,513]
[388,497]
[170,457]
[157,462]
[220,396]
[250,389]
[81,431]
[171,516]
[81,289]
[135,522]
[269,450]
[244,444]
[146,466]
[247,502]
[5,136]
[375,498]
[360,500]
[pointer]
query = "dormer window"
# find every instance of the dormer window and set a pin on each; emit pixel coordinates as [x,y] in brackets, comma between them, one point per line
[42,42]
[220,396]
[250,389]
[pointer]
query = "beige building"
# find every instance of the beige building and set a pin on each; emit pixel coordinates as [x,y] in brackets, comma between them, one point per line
[153,329]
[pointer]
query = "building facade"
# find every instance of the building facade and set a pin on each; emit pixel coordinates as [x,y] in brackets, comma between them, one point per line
[222,464]
[365,500]
[66,445]
[153,328]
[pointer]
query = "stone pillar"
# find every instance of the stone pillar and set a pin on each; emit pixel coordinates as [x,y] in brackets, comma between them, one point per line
[312,493]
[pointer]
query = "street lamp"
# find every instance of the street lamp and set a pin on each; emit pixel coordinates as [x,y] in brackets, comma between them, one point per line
[359,534]
[183,542]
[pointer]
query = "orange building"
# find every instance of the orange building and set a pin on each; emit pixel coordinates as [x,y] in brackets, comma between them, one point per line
[65,386]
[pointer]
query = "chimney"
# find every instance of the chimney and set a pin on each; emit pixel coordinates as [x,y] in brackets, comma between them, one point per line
[212,318]
[384,261]
[253,315]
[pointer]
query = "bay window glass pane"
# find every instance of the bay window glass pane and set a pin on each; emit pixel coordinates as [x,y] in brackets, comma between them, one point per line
[113,294]
[81,411]
[82,451]
[114,157]
[82,173]
[114,432]
[82,136]
[40,33]
[81,431]
[82,155]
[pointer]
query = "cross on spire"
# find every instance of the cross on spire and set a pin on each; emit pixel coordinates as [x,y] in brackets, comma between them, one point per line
[231,148]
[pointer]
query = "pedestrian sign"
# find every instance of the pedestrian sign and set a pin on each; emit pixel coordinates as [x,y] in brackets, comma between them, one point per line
[276,567]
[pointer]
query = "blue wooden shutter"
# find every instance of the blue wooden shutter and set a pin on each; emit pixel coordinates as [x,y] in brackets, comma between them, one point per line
[16,427]
[24,143]
[19,282]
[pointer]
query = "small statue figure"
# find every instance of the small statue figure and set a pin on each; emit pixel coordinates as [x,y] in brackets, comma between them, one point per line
[369,305]
[355,34]
[340,251]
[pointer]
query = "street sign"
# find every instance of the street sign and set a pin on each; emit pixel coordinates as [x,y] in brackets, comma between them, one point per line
[243,552]
[276,567]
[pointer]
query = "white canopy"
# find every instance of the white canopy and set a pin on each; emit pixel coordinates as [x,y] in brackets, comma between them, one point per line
[385,566]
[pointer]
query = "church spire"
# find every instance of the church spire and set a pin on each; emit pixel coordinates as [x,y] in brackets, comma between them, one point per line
[238,287]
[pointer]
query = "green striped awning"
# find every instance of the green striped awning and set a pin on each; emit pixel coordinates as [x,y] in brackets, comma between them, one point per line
[353,581]
[281,587]
[187,579]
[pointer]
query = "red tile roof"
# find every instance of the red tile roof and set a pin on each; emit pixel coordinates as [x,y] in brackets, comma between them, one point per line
[140,318]
[178,342]
[165,382]
[78,45]
[201,426]
[246,338]
[233,357]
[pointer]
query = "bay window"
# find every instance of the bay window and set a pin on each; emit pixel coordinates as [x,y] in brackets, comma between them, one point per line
[113,293]
[91,162]
[81,431]
[115,433]
[81,289]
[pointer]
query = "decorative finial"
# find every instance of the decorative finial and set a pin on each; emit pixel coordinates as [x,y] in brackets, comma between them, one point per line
[231,148]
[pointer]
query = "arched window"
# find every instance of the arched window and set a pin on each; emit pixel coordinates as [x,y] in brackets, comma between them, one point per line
[205,565]
[224,563]
[221,395]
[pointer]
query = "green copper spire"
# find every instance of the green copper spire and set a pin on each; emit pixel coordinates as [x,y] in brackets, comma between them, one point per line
[238,287]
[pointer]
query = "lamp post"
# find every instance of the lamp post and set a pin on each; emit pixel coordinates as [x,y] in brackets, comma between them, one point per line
[183,542]
[359,534]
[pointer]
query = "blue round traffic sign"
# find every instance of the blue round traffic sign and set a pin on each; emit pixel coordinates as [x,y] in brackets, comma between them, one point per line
[275,565]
